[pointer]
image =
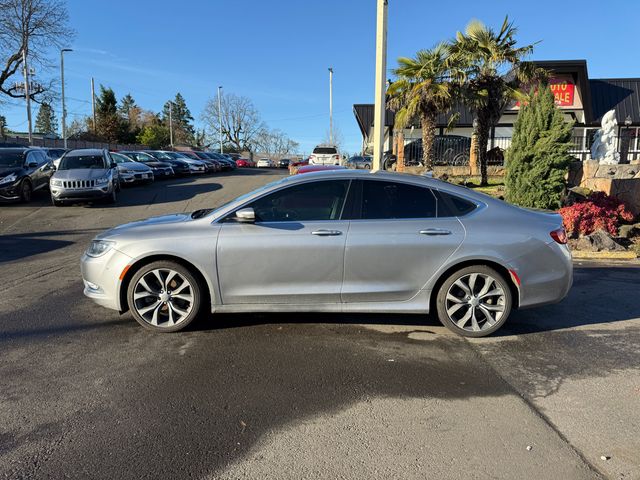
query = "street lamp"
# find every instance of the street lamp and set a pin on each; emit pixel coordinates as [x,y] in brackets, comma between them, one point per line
[64,107]
[220,116]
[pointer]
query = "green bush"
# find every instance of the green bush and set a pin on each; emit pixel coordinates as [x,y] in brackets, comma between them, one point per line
[538,158]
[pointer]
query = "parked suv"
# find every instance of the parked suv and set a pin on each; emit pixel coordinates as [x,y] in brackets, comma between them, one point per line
[23,171]
[85,174]
[325,155]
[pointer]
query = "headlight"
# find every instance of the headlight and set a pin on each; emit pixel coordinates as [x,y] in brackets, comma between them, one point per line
[56,183]
[8,179]
[102,180]
[99,248]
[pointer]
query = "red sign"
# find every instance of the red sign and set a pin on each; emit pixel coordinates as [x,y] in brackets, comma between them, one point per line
[562,91]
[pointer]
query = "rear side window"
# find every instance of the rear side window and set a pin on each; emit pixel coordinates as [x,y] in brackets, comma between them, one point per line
[388,200]
[453,206]
[325,150]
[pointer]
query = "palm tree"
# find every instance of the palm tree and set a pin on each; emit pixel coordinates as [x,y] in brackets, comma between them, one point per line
[423,90]
[492,73]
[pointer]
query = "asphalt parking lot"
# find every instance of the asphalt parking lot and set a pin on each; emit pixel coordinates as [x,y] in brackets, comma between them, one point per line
[87,393]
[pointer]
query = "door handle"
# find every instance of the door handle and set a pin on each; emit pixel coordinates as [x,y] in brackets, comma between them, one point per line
[435,231]
[326,233]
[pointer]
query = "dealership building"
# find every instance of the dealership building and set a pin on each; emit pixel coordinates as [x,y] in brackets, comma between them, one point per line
[583,100]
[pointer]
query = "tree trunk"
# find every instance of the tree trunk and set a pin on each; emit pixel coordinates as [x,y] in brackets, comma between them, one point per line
[428,135]
[482,135]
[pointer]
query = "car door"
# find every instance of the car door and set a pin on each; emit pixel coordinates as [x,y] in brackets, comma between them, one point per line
[293,253]
[396,241]
[36,163]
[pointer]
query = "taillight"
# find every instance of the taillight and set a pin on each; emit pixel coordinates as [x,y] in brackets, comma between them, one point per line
[337,157]
[559,235]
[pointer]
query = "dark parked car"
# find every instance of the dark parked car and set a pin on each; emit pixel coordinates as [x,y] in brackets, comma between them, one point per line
[180,167]
[23,171]
[284,163]
[160,169]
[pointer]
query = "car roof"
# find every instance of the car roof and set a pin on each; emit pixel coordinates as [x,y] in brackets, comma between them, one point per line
[85,151]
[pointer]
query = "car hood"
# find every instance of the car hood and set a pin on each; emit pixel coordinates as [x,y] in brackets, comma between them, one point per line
[81,174]
[133,227]
[158,164]
[134,166]
[4,171]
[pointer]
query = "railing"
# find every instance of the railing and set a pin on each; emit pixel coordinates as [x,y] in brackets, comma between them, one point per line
[71,144]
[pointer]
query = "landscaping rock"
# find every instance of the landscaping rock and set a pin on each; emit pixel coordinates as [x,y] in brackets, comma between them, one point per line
[628,231]
[598,241]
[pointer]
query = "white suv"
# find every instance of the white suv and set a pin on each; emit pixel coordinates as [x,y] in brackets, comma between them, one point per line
[325,155]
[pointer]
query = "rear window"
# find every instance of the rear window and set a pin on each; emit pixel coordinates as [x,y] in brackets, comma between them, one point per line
[453,206]
[389,200]
[325,150]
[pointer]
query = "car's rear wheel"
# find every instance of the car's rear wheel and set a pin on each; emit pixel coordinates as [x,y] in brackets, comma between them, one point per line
[474,301]
[164,296]
[26,191]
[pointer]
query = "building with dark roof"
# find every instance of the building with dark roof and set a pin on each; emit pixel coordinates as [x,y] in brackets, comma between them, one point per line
[581,99]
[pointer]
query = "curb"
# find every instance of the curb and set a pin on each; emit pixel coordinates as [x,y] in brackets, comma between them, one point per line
[577,255]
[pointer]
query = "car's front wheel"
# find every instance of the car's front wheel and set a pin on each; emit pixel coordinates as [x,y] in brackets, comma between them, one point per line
[164,296]
[474,301]
[26,190]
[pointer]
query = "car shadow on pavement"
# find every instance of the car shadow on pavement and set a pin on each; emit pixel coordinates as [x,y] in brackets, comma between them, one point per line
[165,191]
[23,245]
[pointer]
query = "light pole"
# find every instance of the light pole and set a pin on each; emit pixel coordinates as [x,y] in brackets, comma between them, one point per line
[330,106]
[64,107]
[171,124]
[381,81]
[220,116]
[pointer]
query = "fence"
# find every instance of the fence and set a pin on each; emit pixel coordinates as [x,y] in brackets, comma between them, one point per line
[71,144]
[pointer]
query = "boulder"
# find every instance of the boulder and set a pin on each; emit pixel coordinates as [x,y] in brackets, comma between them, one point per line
[598,241]
[628,231]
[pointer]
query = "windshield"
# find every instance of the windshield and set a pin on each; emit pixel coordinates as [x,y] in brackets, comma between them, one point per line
[240,198]
[118,158]
[11,158]
[163,155]
[82,162]
[140,156]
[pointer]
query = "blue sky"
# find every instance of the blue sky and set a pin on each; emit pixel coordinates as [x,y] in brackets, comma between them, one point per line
[277,53]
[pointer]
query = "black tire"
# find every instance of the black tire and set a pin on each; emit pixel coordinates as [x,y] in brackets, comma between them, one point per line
[196,289]
[367,166]
[112,197]
[503,302]
[56,203]
[26,191]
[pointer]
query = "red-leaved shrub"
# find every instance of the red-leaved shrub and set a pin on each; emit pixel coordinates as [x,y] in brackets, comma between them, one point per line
[598,211]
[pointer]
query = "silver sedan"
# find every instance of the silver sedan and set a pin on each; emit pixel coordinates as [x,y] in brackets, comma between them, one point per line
[339,241]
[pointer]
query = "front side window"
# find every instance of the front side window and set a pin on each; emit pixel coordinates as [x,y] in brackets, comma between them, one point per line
[389,200]
[311,201]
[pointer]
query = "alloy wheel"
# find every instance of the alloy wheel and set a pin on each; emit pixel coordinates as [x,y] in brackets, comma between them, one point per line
[163,297]
[475,302]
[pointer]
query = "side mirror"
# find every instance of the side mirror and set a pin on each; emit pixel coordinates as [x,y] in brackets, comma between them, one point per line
[246,215]
[32,165]
[114,165]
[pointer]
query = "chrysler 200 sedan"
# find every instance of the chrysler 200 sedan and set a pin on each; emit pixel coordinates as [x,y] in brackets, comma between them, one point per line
[337,241]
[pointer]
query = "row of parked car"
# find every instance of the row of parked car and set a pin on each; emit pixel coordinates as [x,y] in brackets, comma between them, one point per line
[95,174]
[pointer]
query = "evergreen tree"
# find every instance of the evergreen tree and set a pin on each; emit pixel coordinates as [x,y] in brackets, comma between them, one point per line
[126,104]
[46,122]
[3,125]
[181,118]
[538,158]
[108,124]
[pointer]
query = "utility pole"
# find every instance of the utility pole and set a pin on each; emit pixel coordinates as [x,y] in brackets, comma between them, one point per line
[171,124]
[93,105]
[380,79]
[330,106]
[26,92]
[64,107]
[220,116]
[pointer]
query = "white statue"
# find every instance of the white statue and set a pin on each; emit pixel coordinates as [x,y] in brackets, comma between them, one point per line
[604,143]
